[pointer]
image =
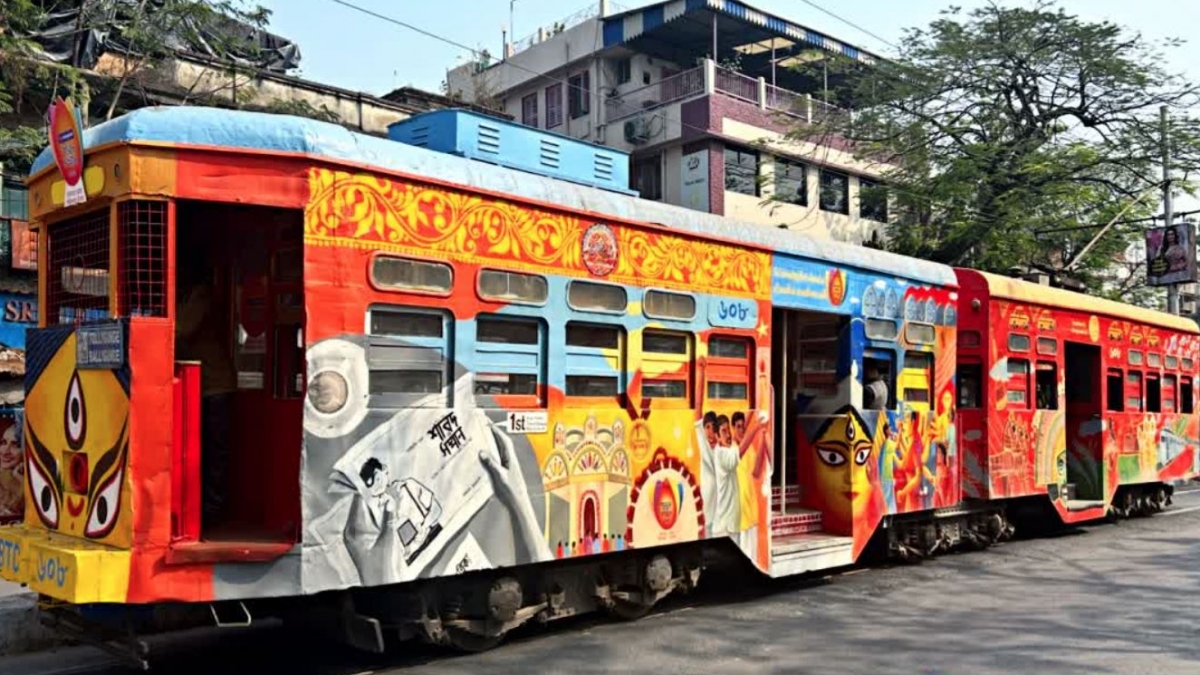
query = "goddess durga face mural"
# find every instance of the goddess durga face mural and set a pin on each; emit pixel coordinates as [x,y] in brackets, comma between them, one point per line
[78,440]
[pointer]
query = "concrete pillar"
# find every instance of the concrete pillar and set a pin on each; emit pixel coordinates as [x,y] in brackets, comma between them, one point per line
[710,76]
[762,93]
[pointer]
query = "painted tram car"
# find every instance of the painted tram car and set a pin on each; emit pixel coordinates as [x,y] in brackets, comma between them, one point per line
[471,381]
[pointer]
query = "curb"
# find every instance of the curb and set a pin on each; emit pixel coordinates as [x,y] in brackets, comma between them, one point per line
[20,630]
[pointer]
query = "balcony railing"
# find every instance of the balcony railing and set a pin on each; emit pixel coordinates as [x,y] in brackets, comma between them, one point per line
[677,87]
[710,79]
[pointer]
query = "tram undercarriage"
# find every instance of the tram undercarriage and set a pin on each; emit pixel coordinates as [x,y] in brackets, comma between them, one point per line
[474,612]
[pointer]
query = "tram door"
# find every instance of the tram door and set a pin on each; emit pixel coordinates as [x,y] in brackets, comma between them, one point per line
[254,349]
[268,341]
[807,348]
[1085,432]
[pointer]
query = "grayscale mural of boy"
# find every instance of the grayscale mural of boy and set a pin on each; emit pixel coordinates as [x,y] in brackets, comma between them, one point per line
[398,492]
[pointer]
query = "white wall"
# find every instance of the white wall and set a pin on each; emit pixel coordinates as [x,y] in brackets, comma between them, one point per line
[575,43]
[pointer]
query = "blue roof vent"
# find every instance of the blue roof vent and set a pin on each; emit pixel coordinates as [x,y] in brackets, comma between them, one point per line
[488,139]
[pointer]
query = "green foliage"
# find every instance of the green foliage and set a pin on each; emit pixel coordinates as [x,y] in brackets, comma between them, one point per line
[19,142]
[153,32]
[993,127]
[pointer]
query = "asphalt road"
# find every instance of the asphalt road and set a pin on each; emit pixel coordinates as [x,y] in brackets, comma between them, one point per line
[1119,598]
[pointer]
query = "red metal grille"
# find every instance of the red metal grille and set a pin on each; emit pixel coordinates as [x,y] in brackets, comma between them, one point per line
[142,286]
[77,278]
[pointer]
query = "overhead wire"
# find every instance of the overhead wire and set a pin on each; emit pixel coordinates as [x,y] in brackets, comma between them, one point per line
[823,158]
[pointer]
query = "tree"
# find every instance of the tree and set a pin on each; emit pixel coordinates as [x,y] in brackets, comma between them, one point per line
[153,30]
[992,128]
[19,142]
[99,52]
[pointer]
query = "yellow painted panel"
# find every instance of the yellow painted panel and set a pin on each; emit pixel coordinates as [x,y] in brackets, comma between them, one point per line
[64,568]
[93,183]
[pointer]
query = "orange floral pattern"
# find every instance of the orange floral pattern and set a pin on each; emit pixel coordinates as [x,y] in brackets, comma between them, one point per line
[369,211]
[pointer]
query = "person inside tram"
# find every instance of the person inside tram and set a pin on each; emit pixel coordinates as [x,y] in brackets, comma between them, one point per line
[875,390]
[201,335]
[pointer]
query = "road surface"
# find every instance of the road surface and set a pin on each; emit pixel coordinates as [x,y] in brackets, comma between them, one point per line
[1119,598]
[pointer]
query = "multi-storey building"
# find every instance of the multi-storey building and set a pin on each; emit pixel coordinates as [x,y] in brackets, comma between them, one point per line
[703,93]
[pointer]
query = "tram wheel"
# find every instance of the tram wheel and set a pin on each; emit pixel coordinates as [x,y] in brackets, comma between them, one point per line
[472,643]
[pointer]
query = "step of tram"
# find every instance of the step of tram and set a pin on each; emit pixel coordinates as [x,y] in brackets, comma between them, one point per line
[795,523]
[792,492]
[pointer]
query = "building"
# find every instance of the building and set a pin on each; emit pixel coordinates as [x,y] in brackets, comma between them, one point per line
[702,94]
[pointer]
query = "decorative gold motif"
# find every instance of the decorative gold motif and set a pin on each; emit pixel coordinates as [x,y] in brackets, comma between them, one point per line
[369,211]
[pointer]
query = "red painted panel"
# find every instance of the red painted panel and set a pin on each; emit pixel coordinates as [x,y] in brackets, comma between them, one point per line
[243,178]
[152,438]
[185,494]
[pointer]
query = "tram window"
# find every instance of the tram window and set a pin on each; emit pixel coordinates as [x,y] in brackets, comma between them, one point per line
[968,338]
[1154,359]
[730,369]
[408,357]
[1186,400]
[970,385]
[407,324]
[591,351]
[1133,391]
[1047,346]
[818,356]
[1188,365]
[1153,393]
[585,295]
[920,333]
[403,274]
[918,377]
[880,364]
[507,331]
[1018,343]
[1116,390]
[1018,382]
[667,364]
[509,360]
[1168,394]
[1135,357]
[728,348]
[529,289]
[881,329]
[667,305]
[1047,385]
[1172,362]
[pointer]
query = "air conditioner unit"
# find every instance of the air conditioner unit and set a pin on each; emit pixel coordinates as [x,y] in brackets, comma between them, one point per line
[637,131]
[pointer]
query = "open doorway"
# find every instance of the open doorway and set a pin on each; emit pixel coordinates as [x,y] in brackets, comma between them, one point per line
[807,374]
[1085,438]
[240,314]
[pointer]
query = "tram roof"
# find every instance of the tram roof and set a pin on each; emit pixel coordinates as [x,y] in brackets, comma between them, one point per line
[1020,290]
[221,128]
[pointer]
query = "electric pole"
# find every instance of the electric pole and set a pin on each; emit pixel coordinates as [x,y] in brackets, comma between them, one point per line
[1168,216]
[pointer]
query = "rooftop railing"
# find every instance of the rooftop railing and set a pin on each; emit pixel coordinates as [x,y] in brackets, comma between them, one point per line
[713,79]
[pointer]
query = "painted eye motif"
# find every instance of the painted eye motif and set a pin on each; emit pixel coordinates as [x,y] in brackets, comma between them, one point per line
[862,455]
[831,457]
[75,414]
[45,499]
[103,515]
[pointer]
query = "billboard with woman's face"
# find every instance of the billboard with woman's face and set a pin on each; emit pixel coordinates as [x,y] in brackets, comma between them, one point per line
[12,469]
[1171,255]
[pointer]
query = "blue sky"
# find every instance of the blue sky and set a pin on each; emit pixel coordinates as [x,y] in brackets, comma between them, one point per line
[342,47]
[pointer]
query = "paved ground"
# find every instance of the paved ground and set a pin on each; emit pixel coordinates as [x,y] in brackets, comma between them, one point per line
[1107,599]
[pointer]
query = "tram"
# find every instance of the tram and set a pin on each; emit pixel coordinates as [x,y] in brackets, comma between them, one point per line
[444,383]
